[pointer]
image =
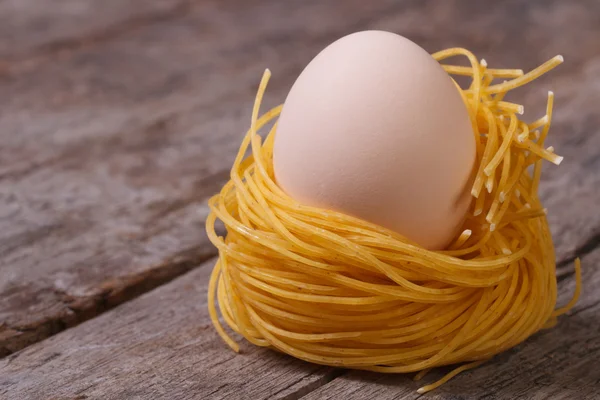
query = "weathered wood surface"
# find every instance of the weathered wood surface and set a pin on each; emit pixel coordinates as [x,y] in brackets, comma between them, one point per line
[30,29]
[162,345]
[115,130]
[110,150]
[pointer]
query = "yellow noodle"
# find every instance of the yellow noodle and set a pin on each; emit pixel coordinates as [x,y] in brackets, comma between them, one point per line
[332,289]
[496,73]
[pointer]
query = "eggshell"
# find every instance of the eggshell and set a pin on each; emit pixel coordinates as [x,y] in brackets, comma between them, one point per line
[375,128]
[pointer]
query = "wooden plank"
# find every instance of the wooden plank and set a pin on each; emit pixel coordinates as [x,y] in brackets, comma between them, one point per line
[160,345]
[29,28]
[559,363]
[109,150]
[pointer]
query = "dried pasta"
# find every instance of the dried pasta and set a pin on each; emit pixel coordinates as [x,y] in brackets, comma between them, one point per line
[332,289]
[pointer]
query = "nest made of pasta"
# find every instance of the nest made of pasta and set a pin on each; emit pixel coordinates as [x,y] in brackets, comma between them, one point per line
[332,289]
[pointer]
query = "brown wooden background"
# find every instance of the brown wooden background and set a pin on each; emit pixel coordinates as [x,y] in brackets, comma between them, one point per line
[119,118]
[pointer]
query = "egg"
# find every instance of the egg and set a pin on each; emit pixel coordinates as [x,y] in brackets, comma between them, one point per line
[376,129]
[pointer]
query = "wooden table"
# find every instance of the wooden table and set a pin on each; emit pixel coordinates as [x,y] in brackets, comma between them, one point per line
[118,119]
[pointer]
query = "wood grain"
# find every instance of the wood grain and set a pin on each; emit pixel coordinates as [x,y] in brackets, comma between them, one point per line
[109,153]
[29,28]
[112,144]
[160,345]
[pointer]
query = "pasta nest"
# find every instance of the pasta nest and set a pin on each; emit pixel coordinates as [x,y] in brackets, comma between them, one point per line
[332,289]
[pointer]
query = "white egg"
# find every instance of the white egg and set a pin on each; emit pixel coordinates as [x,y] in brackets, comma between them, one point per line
[375,128]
